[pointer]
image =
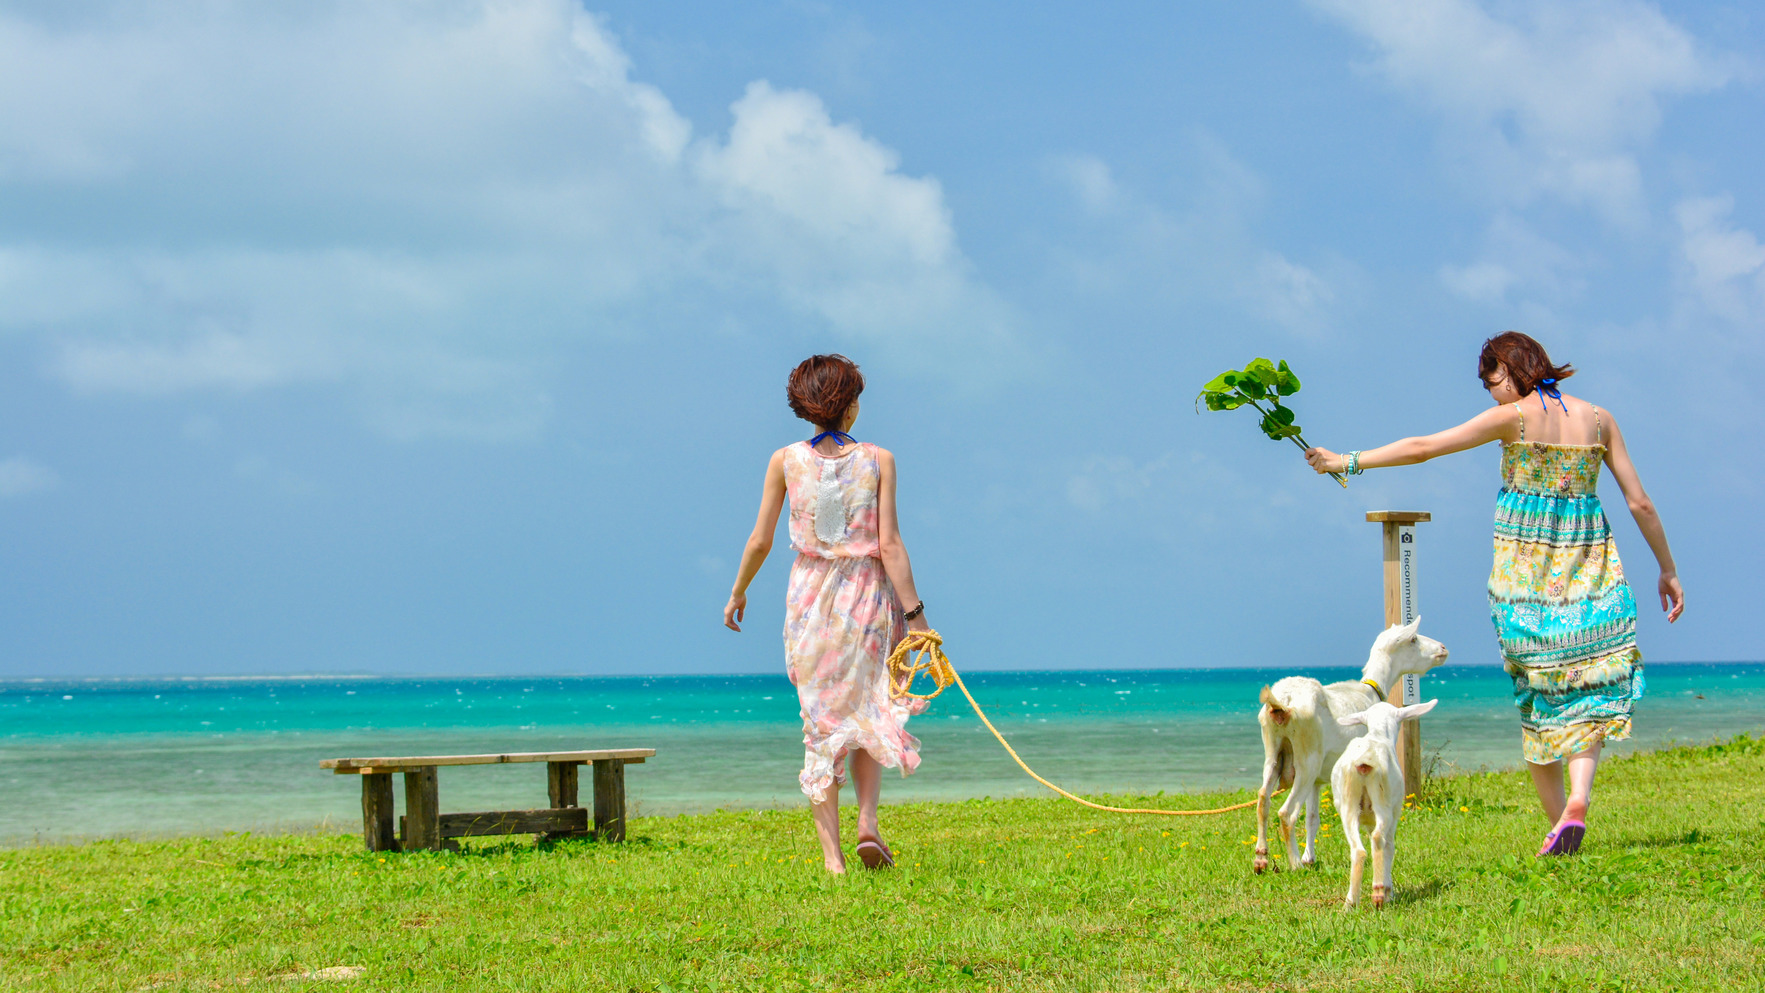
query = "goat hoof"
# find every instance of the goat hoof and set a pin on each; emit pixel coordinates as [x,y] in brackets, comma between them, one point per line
[1309,863]
[1378,899]
[1261,864]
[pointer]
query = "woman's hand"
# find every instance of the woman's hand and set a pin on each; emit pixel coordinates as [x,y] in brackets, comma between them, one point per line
[1323,460]
[919,623]
[734,609]
[1672,596]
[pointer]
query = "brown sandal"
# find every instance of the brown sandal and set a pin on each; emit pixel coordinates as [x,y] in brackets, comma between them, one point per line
[875,855]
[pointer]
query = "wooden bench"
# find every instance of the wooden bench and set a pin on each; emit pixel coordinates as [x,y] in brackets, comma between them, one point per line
[424,826]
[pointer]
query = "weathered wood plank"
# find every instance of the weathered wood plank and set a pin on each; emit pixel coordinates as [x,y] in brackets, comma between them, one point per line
[561,783]
[609,799]
[1398,516]
[422,805]
[402,763]
[377,813]
[565,820]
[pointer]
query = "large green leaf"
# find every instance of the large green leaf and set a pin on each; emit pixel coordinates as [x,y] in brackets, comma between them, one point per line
[1286,383]
[1221,401]
[1225,382]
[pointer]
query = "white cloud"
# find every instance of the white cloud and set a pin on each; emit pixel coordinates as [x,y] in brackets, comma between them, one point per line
[1089,178]
[1202,249]
[421,202]
[1724,264]
[1516,257]
[19,476]
[1289,294]
[1552,101]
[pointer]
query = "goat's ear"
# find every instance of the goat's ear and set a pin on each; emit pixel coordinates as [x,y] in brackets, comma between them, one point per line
[1408,631]
[1416,710]
[1351,720]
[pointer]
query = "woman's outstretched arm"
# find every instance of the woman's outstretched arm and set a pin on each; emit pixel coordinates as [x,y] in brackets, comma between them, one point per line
[891,549]
[1648,521]
[759,543]
[1497,423]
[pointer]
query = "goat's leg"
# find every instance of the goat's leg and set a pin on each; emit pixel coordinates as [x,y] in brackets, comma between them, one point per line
[1388,831]
[1381,862]
[1350,809]
[1310,858]
[1358,863]
[1303,794]
[1290,815]
[1271,781]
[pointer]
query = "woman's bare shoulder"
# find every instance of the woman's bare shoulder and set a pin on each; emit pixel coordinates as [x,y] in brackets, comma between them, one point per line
[882,454]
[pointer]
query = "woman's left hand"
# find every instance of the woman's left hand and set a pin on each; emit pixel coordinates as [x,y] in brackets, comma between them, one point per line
[1323,460]
[919,624]
[734,609]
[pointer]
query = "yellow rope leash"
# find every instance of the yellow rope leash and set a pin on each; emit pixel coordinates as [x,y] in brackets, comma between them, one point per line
[927,650]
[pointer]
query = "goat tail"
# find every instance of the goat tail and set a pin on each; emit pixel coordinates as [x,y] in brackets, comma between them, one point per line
[1268,697]
[1284,698]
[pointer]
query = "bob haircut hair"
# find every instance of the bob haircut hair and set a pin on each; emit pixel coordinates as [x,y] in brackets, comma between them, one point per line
[1525,359]
[822,389]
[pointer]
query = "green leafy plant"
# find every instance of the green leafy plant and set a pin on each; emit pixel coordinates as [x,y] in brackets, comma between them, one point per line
[1259,382]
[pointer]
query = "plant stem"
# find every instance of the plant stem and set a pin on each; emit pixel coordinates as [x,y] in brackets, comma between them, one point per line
[1300,440]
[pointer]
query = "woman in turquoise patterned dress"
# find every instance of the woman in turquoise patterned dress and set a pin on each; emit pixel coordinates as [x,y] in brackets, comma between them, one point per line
[1564,614]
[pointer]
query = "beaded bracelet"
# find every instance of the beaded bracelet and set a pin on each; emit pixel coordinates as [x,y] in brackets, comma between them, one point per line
[918,608]
[1354,464]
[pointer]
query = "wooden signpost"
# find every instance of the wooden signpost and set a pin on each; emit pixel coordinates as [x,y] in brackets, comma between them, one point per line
[1399,527]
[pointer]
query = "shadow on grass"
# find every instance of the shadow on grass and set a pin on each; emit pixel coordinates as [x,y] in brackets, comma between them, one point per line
[1429,890]
[1696,836]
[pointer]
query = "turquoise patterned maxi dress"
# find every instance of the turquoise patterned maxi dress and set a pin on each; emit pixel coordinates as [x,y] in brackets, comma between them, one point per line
[1565,616]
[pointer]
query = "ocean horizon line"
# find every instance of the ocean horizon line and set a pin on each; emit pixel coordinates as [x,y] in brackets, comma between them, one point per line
[393,677]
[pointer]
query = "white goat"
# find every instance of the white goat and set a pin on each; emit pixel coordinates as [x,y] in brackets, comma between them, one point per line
[1368,778]
[1301,738]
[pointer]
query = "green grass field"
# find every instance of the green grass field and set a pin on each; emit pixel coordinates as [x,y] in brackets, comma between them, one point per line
[1007,895]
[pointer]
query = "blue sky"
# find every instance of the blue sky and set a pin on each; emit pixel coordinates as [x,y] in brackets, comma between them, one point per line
[451,336]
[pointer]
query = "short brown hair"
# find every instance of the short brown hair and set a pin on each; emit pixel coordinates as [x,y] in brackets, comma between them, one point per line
[1525,359]
[822,388]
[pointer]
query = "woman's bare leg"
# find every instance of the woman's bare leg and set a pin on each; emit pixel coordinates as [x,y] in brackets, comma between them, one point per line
[827,829]
[1548,780]
[867,783]
[1582,766]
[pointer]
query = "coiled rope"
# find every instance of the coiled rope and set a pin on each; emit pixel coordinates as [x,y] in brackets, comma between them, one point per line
[927,651]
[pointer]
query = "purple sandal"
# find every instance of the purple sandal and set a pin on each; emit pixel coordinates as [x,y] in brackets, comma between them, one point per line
[875,855]
[1564,840]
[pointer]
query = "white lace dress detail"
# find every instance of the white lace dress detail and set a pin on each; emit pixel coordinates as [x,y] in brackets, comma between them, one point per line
[830,509]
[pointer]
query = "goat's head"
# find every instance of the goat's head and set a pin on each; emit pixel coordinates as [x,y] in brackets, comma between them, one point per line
[1382,718]
[1401,649]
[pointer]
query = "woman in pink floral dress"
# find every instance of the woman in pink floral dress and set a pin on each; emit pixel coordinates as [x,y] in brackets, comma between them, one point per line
[844,608]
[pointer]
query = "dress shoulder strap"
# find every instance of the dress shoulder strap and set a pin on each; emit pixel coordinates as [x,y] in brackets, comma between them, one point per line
[1522,415]
[1599,430]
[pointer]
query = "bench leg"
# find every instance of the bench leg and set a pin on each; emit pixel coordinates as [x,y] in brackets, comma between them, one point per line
[377,812]
[562,779]
[609,799]
[422,820]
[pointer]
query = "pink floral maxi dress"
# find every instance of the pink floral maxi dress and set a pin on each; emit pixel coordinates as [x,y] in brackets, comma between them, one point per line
[841,618]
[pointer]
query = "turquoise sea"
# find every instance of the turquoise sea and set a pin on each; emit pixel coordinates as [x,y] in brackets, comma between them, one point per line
[81,759]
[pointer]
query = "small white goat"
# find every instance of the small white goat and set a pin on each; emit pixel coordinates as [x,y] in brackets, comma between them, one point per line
[1301,738]
[1368,778]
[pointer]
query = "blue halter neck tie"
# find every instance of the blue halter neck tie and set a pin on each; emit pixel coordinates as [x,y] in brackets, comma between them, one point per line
[839,438]
[1548,388]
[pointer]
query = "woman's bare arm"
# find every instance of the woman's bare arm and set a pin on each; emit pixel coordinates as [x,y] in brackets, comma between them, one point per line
[1648,521]
[891,549]
[1495,424]
[759,543]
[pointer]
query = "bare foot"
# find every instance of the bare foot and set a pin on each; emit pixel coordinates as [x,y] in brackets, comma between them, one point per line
[837,868]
